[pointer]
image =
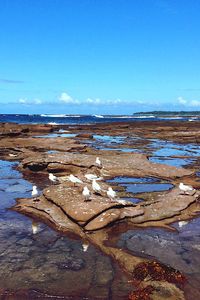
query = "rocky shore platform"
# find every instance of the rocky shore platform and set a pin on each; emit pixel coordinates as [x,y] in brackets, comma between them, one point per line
[124,150]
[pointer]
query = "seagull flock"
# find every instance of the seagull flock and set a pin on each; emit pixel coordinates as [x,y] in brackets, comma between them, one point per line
[86,193]
[111,194]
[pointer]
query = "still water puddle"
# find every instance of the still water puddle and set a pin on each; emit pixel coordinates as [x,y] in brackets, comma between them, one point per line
[165,148]
[137,185]
[132,199]
[106,142]
[52,151]
[164,152]
[160,151]
[175,162]
[108,139]
[55,135]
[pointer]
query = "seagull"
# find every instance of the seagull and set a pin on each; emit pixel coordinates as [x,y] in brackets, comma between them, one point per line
[92,176]
[12,155]
[98,162]
[74,179]
[110,193]
[34,227]
[185,188]
[53,178]
[122,201]
[34,192]
[96,187]
[182,223]
[86,193]
[85,246]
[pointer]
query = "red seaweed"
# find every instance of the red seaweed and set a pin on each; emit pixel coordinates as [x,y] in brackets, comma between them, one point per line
[158,272]
[142,294]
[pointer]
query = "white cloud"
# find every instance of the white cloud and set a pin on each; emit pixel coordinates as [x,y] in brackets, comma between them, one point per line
[22,101]
[37,101]
[182,101]
[98,101]
[29,102]
[67,99]
[195,103]
[190,103]
[64,97]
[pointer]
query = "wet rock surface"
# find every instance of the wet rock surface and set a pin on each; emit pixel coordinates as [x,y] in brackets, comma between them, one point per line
[62,206]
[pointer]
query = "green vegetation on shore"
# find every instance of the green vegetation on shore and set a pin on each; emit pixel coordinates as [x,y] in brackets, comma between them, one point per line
[168,113]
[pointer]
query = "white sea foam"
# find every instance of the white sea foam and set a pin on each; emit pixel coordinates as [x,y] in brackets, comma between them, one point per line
[54,116]
[60,116]
[171,118]
[73,116]
[98,116]
[144,117]
[53,123]
[120,117]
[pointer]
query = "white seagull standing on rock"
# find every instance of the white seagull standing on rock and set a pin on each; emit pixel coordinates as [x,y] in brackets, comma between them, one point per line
[111,194]
[34,227]
[98,163]
[185,188]
[86,193]
[34,192]
[53,178]
[92,176]
[96,187]
[74,179]
[182,223]
[85,246]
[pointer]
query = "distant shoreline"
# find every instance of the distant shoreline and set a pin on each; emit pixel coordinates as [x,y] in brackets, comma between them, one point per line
[168,113]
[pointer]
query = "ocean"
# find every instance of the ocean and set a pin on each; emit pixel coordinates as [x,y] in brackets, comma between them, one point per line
[91,119]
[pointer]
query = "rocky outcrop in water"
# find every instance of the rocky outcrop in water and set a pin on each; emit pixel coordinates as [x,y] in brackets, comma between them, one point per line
[63,206]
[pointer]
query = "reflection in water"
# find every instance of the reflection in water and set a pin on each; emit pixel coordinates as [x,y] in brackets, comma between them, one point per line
[175,162]
[180,249]
[48,261]
[137,185]
[160,151]
[166,148]
[54,135]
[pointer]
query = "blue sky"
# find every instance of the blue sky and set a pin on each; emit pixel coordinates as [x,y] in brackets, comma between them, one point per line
[99,56]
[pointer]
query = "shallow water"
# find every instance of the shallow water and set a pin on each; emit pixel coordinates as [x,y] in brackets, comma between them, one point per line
[166,148]
[108,139]
[173,154]
[179,249]
[55,135]
[48,261]
[136,185]
[124,179]
[160,151]
[175,162]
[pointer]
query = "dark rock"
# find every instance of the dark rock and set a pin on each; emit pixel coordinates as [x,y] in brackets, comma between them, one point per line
[73,264]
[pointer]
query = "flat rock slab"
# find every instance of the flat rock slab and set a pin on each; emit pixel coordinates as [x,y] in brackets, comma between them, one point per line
[93,214]
[49,212]
[65,203]
[168,205]
[132,164]
[41,144]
